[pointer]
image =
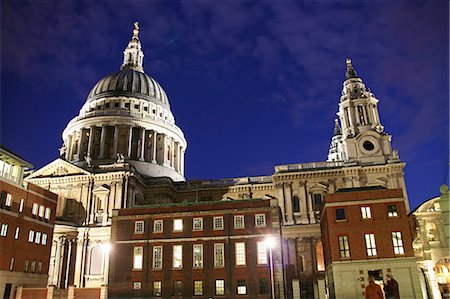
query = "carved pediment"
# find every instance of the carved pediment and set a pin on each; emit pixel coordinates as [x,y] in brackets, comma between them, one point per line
[57,168]
[378,182]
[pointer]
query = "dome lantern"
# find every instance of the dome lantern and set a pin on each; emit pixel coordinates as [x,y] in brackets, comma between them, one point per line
[133,55]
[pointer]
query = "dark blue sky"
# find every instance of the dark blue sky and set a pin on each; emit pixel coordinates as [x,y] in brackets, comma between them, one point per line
[251,83]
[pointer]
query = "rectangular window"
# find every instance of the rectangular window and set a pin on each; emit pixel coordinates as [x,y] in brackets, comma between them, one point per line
[157,288]
[44,239]
[158,226]
[41,211]
[4,230]
[39,267]
[219,260]
[218,223]
[8,200]
[137,285]
[31,236]
[392,211]
[11,264]
[33,266]
[198,255]
[260,220]
[177,256]
[317,201]
[370,244]
[198,288]
[263,286]
[261,253]
[34,209]
[178,224]
[47,213]
[240,253]
[139,227]
[366,213]
[239,221]
[21,205]
[340,214]
[241,287]
[26,265]
[197,224]
[137,258]
[157,257]
[220,287]
[37,240]
[398,243]
[344,248]
[177,288]
[16,234]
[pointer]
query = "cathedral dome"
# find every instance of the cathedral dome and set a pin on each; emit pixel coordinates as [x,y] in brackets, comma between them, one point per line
[129,82]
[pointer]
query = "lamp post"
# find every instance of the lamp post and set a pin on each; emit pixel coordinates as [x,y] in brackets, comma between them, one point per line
[270,243]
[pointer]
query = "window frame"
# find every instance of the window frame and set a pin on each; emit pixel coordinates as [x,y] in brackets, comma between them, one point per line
[392,213]
[397,243]
[215,227]
[366,212]
[221,255]
[219,289]
[175,222]
[338,216]
[259,224]
[8,200]
[371,245]
[261,253]
[235,221]
[34,209]
[177,259]
[241,287]
[157,285]
[198,288]
[4,230]
[194,224]
[30,236]
[239,252]
[21,205]
[194,257]
[139,227]
[156,224]
[157,260]
[138,258]
[344,246]
[47,214]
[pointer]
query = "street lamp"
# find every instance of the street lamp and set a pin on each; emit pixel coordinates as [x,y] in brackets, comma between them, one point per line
[270,243]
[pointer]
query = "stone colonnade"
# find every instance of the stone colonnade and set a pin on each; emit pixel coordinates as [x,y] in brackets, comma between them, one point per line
[133,142]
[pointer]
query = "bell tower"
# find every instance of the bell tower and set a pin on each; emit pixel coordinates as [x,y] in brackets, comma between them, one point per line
[364,140]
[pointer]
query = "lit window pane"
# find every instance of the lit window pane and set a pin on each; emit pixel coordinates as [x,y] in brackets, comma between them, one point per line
[218,222]
[366,213]
[137,258]
[219,260]
[239,221]
[398,243]
[262,253]
[198,255]
[198,224]
[240,253]
[220,287]
[177,256]
[178,224]
[157,257]
[260,220]
[370,244]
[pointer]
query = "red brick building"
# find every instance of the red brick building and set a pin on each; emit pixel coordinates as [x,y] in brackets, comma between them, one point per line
[214,249]
[365,232]
[27,216]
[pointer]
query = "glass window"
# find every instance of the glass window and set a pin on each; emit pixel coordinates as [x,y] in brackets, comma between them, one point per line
[177,256]
[16,234]
[178,224]
[366,213]
[11,264]
[158,226]
[239,221]
[33,266]
[8,200]
[370,244]
[398,243]
[219,260]
[177,288]
[137,285]
[34,209]
[157,257]
[241,287]
[26,265]
[31,236]
[296,204]
[317,201]
[139,227]
[344,248]
[137,258]
[197,224]
[47,213]
[4,230]
[260,220]
[198,255]
[157,288]
[263,286]
[22,203]
[39,267]
[44,239]
[240,253]
[37,240]
[392,211]
[220,287]
[218,222]
[198,288]
[262,253]
[41,211]
[340,214]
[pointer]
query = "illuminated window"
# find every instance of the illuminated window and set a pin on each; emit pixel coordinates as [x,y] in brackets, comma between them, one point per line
[178,224]
[157,288]
[137,258]
[219,259]
[139,227]
[31,236]
[4,230]
[197,224]
[398,243]
[137,285]
[37,239]
[26,265]
[47,213]
[392,211]
[239,221]
[157,257]
[41,211]
[34,209]
[177,256]
[220,287]
[344,248]
[39,267]
[260,220]
[370,244]
[198,288]
[158,226]
[177,288]
[340,214]
[240,253]
[241,287]
[198,255]
[262,253]
[16,234]
[21,205]
[11,264]
[218,222]
[44,239]
[366,213]
[33,266]
[8,200]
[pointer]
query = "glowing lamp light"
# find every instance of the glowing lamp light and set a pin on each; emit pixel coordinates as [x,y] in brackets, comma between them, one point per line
[270,242]
[106,247]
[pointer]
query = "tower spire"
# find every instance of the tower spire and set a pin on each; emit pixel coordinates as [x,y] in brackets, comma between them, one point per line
[132,55]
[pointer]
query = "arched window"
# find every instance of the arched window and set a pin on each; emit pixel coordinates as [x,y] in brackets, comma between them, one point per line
[296,203]
[96,266]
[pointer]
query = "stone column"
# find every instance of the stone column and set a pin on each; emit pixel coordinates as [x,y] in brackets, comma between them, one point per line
[164,151]
[289,212]
[310,209]
[155,135]
[377,116]
[102,143]
[69,255]
[281,201]
[130,141]
[142,155]
[172,157]
[80,136]
[78,261]
[60,257]
[70,147]
[182,161]
[303,206]
[116,140]
[56,267]
[91,141]
[106,267]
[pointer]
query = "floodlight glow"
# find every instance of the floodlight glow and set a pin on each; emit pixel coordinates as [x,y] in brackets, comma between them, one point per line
[270,242]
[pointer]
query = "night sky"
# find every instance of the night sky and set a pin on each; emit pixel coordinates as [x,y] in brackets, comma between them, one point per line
[252,84]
